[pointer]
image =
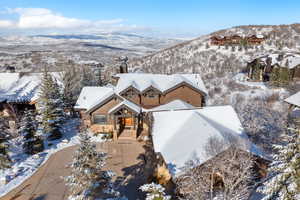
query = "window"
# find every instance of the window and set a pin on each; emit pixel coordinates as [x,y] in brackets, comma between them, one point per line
[130,93]
[150,94]
[100,119]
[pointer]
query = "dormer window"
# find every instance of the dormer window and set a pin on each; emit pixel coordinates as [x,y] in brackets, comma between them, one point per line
[130,94]
[150,93]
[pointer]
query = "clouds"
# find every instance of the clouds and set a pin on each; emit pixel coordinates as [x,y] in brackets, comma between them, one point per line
[43,19]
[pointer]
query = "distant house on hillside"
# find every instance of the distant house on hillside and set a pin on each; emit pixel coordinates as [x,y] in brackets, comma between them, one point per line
[275,68]
[175,144]
[120,109]
[255,40]
[236,40]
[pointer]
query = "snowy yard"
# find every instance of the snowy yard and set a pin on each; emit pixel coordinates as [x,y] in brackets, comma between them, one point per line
[24,166]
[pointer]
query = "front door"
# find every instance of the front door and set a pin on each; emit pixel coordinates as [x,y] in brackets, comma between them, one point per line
[128,121]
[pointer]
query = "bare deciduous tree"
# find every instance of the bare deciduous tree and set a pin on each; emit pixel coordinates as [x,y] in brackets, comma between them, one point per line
[228,175]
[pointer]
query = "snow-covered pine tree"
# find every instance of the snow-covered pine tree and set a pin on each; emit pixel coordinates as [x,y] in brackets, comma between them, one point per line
[154,192]
[4,158]
[87,172]
[50,107]
[32,143]
[284,173]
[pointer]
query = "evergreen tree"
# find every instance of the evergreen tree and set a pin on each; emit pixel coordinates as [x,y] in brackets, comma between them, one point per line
[284,181]
[32,143]
[50,107]
[4,158]
[87,171]
[154,192]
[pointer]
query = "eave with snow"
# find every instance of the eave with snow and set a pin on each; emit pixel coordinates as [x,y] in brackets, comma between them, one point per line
[294,100]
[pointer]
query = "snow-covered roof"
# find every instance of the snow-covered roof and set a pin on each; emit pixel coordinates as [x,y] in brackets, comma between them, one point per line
[173,105]
[162,82]
[182,135]
[92,96]
[128,104]
[294,99]
[288,60]
[21,87]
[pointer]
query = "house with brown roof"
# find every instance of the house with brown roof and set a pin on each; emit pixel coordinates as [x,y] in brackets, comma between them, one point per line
[237,40]
[120,109]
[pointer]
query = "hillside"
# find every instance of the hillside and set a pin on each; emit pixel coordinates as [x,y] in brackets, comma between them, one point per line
[197,55]
[221,67]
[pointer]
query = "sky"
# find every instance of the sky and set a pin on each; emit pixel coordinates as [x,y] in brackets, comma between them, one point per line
[182,18]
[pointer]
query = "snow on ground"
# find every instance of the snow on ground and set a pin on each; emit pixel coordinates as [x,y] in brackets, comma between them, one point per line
[243,79]
[24,165]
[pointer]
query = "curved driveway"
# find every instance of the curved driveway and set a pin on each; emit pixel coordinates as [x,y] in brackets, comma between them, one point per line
[125,159]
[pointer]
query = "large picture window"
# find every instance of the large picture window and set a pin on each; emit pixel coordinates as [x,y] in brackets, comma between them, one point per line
[100,119]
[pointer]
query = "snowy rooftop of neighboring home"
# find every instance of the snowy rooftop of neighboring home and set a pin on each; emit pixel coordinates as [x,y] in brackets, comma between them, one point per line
[91,96]
[173,105]
[294,99]
[20,87]
[162,82]
[182,135]
[288,60]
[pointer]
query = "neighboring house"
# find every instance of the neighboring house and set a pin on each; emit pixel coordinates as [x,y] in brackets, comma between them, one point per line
[18,91]
[274,67]
[237,40]
[121,109]
[178,143]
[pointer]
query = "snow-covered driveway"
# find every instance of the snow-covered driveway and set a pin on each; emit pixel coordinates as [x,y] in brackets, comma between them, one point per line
[125,159]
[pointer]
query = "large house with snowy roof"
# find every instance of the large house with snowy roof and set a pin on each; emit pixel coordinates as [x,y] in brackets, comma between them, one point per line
[120,108]
[273,67]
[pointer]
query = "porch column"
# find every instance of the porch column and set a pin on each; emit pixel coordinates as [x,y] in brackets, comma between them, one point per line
[115,135]
[115,127]
[134,122]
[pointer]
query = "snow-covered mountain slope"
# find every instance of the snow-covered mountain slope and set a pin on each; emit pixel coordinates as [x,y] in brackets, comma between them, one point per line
[199,56]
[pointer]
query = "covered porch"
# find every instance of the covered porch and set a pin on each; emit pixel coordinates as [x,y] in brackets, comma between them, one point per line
[127,121]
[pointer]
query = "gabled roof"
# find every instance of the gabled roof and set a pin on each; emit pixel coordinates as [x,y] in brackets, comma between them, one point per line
[91,96]
[173,105]
[125,103]
[21,87]
[294,99]
[162,82]
[182,135]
